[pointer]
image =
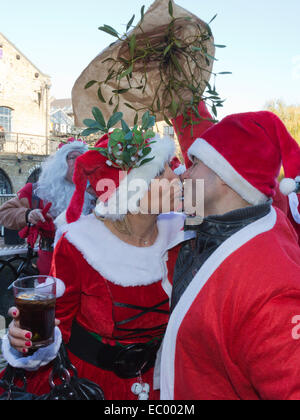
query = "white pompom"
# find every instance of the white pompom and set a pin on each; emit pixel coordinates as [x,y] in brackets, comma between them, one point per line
[143,396]
[146,388]
[137,388]
[287,186]
[180,170]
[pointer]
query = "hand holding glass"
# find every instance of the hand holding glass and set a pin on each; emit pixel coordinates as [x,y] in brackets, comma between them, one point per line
[35,298]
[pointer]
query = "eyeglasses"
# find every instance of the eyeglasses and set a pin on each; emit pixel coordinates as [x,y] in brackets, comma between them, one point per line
[72,157]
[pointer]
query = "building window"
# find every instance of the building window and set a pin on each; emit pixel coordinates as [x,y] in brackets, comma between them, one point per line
[5,184]
[5,118]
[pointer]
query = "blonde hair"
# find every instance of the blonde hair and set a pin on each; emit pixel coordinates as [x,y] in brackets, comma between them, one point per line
[120,225]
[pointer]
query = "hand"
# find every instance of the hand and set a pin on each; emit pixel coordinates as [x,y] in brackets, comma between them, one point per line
[20,339]
[36,216]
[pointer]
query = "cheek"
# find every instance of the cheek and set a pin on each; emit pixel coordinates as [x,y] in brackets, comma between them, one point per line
[71,167]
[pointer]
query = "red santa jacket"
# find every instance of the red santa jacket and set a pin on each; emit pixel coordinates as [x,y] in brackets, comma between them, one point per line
[234,333]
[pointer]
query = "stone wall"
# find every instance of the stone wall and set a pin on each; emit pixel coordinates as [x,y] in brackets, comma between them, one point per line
[19,170]
[24,89]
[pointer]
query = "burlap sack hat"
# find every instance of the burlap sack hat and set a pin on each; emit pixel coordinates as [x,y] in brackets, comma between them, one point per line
[139,88]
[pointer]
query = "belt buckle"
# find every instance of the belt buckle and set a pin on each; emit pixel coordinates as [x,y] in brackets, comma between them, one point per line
[130,361]
[135,359]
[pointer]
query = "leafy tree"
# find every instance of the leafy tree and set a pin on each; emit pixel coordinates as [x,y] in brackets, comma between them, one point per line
[289,114]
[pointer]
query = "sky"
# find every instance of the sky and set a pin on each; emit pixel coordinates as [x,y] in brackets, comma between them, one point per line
[61,38]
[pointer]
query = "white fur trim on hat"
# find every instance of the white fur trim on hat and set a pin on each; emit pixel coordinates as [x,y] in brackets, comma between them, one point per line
[203,151]
[123,199]
[71,147]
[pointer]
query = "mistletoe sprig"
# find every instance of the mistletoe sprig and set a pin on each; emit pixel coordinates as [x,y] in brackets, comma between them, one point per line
[127,148]
[179,67]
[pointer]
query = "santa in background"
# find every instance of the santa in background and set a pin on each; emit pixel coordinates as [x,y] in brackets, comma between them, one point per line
[54,189]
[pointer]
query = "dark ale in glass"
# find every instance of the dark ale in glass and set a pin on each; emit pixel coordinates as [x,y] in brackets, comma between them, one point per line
[35,297]
[37,315]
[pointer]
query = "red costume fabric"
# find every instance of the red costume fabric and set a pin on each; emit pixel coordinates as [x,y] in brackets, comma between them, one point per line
[98,269]
[184,132]
[233,334]
[44,257]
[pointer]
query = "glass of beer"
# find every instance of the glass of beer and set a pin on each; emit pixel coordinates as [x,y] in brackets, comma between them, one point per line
[35,297]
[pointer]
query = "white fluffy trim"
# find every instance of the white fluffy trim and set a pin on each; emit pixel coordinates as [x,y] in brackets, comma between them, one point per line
[134,187]
[61,220]
[123,264]
[217,163]
[39,359]
[71,147]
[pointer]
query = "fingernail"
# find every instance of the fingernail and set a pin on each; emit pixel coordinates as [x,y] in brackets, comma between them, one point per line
[28,335]
[28,344]
[25,351]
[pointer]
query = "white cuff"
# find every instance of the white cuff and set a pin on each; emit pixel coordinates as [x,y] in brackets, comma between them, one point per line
[39,359]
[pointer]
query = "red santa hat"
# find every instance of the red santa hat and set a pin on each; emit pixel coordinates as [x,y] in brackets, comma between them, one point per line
[177,167]
[186,135]
[71,142]
[72,145]
[247,152]
[115,203]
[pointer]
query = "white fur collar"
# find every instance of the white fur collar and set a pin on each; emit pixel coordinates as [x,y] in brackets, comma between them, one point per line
[121,263]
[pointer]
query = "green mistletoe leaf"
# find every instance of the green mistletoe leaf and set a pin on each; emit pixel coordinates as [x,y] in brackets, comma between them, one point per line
[114,119]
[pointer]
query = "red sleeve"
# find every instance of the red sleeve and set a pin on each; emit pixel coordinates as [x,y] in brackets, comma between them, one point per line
[65,267]
[26,192]
[281,201]
[268,348]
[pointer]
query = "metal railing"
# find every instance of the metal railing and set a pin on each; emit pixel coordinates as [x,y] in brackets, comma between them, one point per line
[20,143]
[6,197]
[28,144]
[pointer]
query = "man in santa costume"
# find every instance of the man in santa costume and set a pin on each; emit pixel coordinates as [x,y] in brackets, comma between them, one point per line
[236,288]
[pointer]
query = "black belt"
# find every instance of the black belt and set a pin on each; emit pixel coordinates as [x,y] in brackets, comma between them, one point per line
[126,362]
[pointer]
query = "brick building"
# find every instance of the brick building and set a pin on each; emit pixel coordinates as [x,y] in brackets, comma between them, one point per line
[24,117]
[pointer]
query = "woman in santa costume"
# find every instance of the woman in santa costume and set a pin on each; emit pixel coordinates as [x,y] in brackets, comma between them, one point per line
[233,332]
[114,268]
